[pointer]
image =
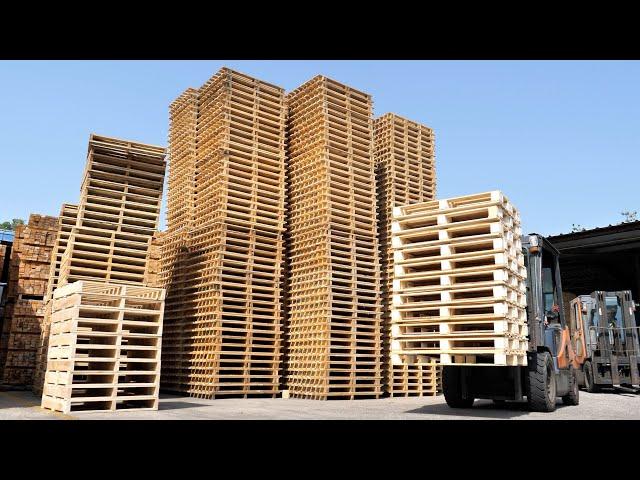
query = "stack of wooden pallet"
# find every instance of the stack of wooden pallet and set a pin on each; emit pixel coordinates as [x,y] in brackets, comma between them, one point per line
[104,348]
[29,272]
[459,288]
[107,239]
[117,213]
[66,221]
[224,271]
[405,173]
[334,335]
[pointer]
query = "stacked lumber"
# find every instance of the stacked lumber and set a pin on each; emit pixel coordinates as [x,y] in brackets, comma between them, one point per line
[67,220]
[405,174]
[459,289]
[28,274]
[334,334]
[152,269]
[3,256]
[117,213]
[104,348]
[223,272]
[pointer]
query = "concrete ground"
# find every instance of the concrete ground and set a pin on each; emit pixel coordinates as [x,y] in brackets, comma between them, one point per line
[602,406]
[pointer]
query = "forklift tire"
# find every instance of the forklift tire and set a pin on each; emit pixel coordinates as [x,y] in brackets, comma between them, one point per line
[542,385]
[589,383]
[452,388]
[573,397]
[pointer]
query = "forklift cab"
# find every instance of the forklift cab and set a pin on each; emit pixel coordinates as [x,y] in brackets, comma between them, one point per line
[547,323]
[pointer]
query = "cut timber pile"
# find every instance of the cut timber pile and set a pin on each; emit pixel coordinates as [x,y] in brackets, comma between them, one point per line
[405,174]
[152,271]
[334,335]
[28,275]
[104,348]
[67,220]
[459,287]
[117,214]
[223,250]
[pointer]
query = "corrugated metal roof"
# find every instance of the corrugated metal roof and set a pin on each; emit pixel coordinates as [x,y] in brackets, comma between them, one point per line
[620,227]
[6,236]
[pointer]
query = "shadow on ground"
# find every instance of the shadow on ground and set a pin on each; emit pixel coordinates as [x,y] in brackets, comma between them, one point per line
[179,405]
[481,409]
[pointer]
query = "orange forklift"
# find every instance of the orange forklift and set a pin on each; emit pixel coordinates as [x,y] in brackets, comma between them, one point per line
[605,340]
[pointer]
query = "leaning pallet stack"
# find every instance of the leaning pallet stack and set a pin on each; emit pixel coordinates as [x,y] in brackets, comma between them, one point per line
[459,287]
[67,220]
[107,248]
[405,173]
[29,272]
[334,335]
[117,213]
[223,333]
[104,348]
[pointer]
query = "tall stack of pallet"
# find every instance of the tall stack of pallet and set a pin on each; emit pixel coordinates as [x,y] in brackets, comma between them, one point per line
[405,174]
[334,334]
[117,214]
[104,349]
[29,272]
[224,271]
[459,289]
[66,221]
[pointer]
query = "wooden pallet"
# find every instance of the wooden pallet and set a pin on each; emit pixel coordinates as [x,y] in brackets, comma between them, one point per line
[104,348]
[405,173]
[459,287]
[333,299]
[223,253]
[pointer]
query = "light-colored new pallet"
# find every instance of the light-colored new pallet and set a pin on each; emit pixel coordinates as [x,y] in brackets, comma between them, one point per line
[104,347]
[459,286]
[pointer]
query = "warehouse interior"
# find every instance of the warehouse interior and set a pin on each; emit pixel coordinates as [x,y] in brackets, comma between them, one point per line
[605,258]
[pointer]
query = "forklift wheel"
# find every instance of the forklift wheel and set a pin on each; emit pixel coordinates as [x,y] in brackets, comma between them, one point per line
[452,388]
[573,397]
[542,385]
[589,384]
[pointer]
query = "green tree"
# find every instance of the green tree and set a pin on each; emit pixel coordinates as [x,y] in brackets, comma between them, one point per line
[12,224]
[629,216]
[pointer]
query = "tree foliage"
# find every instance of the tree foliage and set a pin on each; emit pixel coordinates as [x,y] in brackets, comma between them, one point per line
[12,224]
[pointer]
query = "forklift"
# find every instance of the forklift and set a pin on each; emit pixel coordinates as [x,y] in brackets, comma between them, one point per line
[605,335]
[550,371]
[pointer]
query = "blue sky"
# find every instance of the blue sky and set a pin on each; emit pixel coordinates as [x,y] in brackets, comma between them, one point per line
[560,138]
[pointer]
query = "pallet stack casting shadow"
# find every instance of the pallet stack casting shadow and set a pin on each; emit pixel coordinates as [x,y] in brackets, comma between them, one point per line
[459,288]
[223,253]
[29,270]
[108,246]
[334,334]
[405,174]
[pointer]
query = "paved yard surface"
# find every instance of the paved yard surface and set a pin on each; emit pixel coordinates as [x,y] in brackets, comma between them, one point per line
[603,406]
